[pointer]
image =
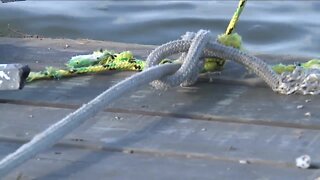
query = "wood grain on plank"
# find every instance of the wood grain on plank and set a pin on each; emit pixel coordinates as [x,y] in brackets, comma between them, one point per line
[171,136]
[72,163]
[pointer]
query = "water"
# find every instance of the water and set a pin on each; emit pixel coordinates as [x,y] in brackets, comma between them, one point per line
[276,27]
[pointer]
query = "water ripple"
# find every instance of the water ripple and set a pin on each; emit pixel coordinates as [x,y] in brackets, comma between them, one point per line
[267,26]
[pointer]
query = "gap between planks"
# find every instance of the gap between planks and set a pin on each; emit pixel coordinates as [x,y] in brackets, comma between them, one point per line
[213,118]
[156,153]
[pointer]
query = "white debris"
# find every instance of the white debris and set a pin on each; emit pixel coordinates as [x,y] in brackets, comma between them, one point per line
[299,106]
[308,100]
[118,118]
[303,162]
[243,161]
[307,114]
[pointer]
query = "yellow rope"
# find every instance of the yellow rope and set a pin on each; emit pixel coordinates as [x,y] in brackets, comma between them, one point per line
[228,38]
[233,22]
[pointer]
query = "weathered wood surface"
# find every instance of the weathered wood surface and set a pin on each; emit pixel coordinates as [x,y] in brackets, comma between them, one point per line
[199,132]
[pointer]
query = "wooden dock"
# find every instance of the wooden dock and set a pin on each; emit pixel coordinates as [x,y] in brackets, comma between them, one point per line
[229,127]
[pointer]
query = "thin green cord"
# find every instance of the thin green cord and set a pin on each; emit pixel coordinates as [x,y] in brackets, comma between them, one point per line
[311,64]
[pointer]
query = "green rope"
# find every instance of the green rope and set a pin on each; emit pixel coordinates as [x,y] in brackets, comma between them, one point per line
[311,64]
[228,38]
[98,61]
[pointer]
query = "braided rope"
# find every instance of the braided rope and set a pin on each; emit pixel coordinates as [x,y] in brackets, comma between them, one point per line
[99,61]
[57,131]
[190,68]
[253,63]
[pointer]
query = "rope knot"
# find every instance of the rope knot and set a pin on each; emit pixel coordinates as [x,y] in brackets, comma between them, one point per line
[192,63]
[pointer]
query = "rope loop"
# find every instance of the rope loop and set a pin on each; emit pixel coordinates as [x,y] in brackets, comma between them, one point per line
[198,48]
[191,66]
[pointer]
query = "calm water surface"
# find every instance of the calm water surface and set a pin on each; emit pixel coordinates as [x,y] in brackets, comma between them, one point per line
[277,27]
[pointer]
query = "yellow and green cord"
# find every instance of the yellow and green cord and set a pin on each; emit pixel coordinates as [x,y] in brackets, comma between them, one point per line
[98,61]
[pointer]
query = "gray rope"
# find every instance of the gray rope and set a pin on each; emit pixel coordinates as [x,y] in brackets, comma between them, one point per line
[216,50]
[193,75]
[190,68]
[58,130]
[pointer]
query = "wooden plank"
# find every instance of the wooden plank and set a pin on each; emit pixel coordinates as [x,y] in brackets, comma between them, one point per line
[212,124]
[41,52]
[237,99]
[177,136]
[71,163]
[207,101]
